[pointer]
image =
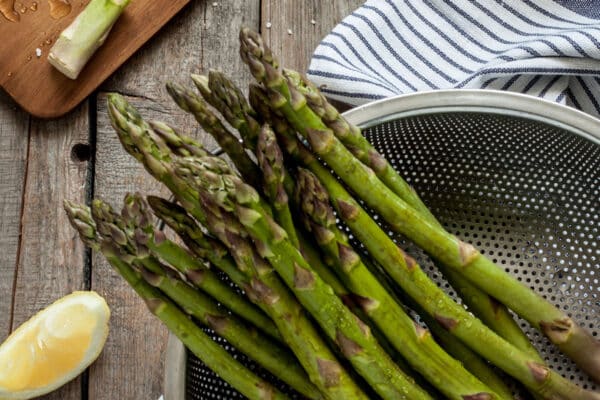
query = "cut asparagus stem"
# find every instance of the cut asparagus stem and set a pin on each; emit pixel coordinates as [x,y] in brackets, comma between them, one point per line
[415,283]
[80,40]
[270,161]
[412,341]
[189,101]
[221,93]
[489,310]
[214,356]
[573,340]
[225,193]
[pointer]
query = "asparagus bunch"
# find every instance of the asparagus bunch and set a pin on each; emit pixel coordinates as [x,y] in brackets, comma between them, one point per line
[410,339]
[286,99]
[114,246]
[260,282]
[315,300]
[228,198]
[489,310]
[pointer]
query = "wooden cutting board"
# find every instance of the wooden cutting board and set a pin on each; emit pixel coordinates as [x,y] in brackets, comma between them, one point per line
[37,86]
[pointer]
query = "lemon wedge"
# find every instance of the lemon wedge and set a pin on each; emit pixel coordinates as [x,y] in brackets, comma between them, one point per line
[54,346]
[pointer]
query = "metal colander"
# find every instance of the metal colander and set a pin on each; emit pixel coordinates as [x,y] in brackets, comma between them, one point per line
[517,177]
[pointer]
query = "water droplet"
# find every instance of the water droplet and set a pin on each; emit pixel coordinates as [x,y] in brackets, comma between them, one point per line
[29,57]
[59,8]
[7,9]
[48,41]
[10,74]
[33,6]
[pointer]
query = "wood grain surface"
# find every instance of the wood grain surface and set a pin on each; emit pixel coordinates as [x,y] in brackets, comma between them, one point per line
[41,89]
[79,156]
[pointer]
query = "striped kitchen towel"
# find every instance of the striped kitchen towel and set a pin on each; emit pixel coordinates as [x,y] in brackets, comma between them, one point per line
[544,48]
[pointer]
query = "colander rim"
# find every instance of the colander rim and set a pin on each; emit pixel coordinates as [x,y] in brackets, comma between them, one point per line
[419,103]
[476,100]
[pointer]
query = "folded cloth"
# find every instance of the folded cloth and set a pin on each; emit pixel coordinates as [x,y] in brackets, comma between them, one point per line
[544,48]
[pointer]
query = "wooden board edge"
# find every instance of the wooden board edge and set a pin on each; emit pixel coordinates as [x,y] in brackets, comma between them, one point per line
[82,95]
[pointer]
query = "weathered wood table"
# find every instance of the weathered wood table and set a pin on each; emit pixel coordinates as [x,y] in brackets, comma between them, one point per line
[79,157]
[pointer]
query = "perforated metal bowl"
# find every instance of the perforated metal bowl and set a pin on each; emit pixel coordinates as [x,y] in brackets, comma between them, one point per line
[516,176]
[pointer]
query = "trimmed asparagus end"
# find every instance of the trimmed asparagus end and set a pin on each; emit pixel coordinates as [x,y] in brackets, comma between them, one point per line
[80,40]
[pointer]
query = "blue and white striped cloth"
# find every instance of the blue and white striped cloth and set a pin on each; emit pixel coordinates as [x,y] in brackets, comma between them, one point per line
[544,48]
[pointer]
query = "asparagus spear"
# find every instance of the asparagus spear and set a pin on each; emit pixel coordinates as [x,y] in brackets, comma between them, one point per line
[189,101]
[180,144]
[257,346]
[411,340]
[80,40]
[270,161]
[223,193]
[214,356]
[488,309]
[221,93]
[573,340]
[195,271]
[136,212]
[415,283]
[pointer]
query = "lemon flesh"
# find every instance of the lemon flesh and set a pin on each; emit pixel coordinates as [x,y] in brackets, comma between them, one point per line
[54,346]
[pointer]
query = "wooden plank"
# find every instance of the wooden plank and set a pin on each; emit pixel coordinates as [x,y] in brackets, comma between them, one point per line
[51,94]
[293,29]
[14,134]
[51,257]
[132,363]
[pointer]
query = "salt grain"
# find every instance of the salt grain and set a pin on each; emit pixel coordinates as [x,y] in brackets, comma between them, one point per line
[215,4]
[289,31]
[38,52]
[312,21]
[269,25]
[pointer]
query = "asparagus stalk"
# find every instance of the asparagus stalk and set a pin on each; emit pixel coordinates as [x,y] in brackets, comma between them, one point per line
[412,341]
[270,161]
[454,318]
[221,93]
[228,194]
[214,356]
[260,348]
[180,144]
[573,340]
[488,309]
[136,212]
[139,139]
[415,283]
[189,101]
[80,40]
[196,272]
[267,353]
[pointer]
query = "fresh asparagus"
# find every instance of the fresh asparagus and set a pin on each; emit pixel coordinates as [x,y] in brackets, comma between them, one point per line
[228,194]
[214,356]
[270,161]
[412,341]
[265,351]
[137,212]
[88,31]
[189,101]
[180,144]
[415,283]
[489,310]
[221,93]
[573,340]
